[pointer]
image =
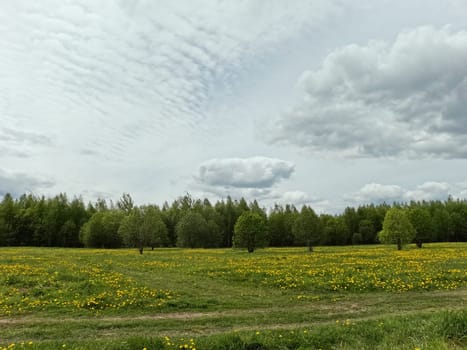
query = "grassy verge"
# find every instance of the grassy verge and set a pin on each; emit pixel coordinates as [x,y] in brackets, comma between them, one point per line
[440,330]
[336,298]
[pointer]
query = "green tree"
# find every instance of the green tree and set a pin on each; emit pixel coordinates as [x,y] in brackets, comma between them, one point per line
[125,203]
[351,220]
[443,227]
[192,230]
[396,228]
[143,227]
[366,231]
[277,228]
[171,216]
[306,227]
[8,214]
[153,228]
[228,213]
[421,221]
[250,231]
[101,231]
[130,231]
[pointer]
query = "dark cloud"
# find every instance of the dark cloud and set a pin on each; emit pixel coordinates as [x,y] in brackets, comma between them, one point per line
[18,183]
[407,98]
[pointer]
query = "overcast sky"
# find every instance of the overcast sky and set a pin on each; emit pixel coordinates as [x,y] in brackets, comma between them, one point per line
[330,103]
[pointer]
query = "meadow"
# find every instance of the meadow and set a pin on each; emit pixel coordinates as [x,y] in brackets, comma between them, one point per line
[354,297]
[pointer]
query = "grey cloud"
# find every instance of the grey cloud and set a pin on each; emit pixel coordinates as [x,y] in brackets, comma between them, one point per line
[255,172]
[21,144]
[406,98]
[18,183]
[14,152]
[14,136]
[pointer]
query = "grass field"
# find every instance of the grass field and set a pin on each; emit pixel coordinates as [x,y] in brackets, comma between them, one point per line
[364,297]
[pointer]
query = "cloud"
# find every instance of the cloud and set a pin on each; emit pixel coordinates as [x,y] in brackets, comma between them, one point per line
[405,98]
[21,143]
[431,191]
[18,183]
[253,178]
[300,198]
[296,197]
[427,191]
[107,73]
[377,193]
[20,136]
[255,172]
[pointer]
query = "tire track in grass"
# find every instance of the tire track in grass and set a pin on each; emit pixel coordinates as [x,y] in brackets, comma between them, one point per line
[354,307]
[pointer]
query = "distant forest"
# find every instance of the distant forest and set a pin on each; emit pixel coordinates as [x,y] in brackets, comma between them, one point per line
[188,222]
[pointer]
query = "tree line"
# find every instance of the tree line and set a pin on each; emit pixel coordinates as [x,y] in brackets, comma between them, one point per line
[195,223]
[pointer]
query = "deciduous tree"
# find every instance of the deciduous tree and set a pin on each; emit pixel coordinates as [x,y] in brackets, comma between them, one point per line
[250,231]
[397,228]
[306,227]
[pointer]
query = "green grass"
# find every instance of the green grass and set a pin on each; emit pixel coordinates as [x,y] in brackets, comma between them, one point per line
[366,297]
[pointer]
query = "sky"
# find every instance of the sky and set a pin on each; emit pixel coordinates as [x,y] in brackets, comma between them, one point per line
[328,103]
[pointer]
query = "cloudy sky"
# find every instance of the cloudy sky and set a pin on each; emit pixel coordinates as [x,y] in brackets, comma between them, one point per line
[325,102]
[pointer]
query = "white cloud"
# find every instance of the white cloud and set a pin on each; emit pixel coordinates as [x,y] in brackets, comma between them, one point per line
[254,172]
[108,83]
[253,178]
[300,198]
[108,97]
[375,192]
[117,72]
[430,190]
[406,98]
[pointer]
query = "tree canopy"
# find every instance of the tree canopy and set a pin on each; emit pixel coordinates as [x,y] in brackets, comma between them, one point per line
[397,228]
[306,227]
[250,231]
[60,221]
